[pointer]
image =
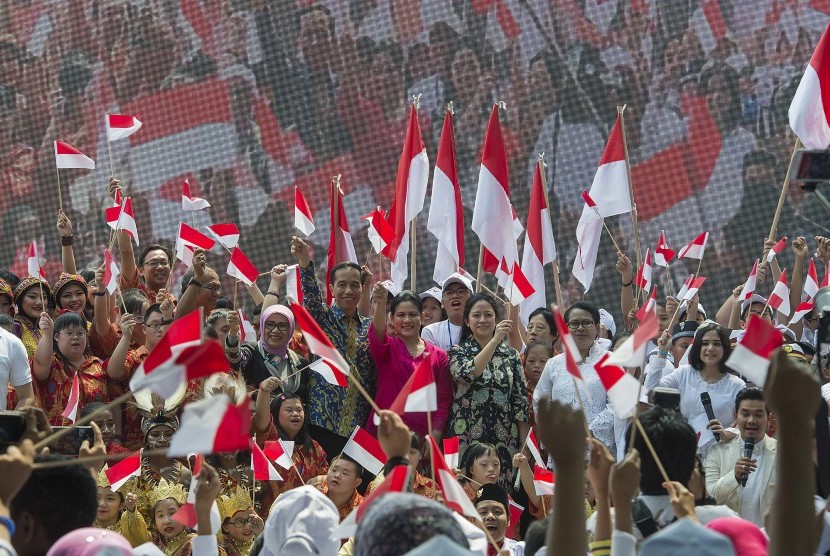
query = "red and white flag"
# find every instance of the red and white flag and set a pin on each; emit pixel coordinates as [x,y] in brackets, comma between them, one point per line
[649,306]
[751,356]
[246,330]
[111,272]
[610,193]
[320,345]
[622,388]
[694,287]
[262,468]
[126,220]
[365,450]
[709,24]
[279,453]
[381,233]
[185,253]
[749,286]
[120,126]
[493,213]
[67,156]
[535,448]
[71,410]
[212,425]
[186,514]
[227,234]
[662,254]
[632,352]
[303,219]
[777,248]
[515,511]
[446,219]
[194,238]
[451,449]
[454,495]
[419,394]
[518,288]
[544,481]
[572,355]
[695,249]
[241,267]
[779,299]
[643,278]
[293,284]
[804,308]
[811,281]
[329,372]
[809,116]
[341,247]
[33,262]
[681,295]
[539,249]
[410,192]
[189,202]
[120,473]
[398,480]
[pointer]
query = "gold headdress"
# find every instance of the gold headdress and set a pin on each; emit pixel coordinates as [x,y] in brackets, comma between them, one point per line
[102,480]
[165,490]
[239,499]
[222,383]
[155,410]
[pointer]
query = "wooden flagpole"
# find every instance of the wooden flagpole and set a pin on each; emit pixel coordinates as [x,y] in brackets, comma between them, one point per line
[782,198]
[60,197]
[554,264]
[83,421]
[431,460]
[335,192]
[621,113]
[413,281]
[480,268]
[112,166]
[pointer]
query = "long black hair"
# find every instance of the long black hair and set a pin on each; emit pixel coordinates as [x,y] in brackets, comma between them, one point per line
[475,298]
[723,336]
[303,437]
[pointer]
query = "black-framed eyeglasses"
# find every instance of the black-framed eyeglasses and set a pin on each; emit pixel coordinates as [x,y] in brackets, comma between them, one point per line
[576,324]
[215,288]
[155,263]
[281,326]
[240,523]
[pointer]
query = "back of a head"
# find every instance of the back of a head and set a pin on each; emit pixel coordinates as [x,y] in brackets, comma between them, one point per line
[301,523]
[56,501]
[675,443]
[396,523]
[535,536]
[91,541]
[687,538]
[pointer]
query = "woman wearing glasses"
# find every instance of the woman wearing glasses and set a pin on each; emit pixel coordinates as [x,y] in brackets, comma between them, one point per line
[558,384]
[60,356]
[269,356]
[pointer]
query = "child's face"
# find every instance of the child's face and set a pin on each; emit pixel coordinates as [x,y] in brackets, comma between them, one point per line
[163,515]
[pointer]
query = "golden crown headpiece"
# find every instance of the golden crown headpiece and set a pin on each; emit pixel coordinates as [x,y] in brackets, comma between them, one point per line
[102,480]
[165,490]
[238,499]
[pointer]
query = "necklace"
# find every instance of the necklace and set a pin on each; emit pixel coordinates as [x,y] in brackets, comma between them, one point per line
[151,477]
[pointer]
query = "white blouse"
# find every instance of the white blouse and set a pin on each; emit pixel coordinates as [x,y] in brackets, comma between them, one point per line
[691,385]
[558,384]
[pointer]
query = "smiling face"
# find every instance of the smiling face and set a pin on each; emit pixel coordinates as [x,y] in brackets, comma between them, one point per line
[406,320]
[163,515]
[711,349]
[582,328]
[485,469]
[33,303]
[342,478]
[346,289]
[432,311]
[109,503]
[72,342]
[454,297]
[156,269]
[276,331]
[292,416]
[752,419]
[72,298]
[240,526]
[482,320]
[495,518]
[210,291]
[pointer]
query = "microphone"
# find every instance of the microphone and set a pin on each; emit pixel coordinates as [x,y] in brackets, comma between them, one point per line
[749,445]
[707,407]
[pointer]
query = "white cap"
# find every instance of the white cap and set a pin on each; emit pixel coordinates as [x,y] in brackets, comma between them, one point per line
[456,278]
[433,292]
[302,522]
[754,299]
[700,309]
[606,320]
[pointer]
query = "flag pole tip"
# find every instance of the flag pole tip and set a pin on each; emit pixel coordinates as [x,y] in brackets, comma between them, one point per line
[416,101]
[450,108]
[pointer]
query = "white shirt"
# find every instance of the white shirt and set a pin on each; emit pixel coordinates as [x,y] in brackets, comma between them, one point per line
[691,385]
[751,493]
[825,392]
[14,363]
[443,334]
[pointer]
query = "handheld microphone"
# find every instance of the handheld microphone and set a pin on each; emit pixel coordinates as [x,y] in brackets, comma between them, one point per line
[749,445]
[706,400]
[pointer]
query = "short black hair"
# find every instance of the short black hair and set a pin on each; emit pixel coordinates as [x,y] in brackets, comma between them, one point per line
[154,247]
[406,296]
[134,300]
[475,451]
[344,265]
[9,277]
[61,499]
[675,442]
[154,308]
[223,303]
[539,344]
[749,393]
[535,536]
[585,306]
[547,314]
[468,307]
[346,457]
[723,336]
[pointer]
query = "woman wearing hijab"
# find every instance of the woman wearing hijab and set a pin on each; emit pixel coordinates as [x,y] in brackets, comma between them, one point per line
[269,356]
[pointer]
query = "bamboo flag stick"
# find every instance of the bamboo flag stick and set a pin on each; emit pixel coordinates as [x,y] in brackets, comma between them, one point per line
[621,112]
[783,197]
[112,166]
[480,268]
[60,197]
[652,451]
[83,421]
[364,393]
[93,459]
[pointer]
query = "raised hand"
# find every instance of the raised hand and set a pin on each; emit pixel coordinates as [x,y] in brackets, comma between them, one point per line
[233,324]
[299,249]
[64,224]
[45,323]
[561,428]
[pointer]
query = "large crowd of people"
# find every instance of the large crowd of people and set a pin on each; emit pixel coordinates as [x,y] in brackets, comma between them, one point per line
[247,99]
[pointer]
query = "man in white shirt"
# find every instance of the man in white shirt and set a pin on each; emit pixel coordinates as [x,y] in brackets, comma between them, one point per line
[455,291]
[742,482]
[493,507]
[14,368]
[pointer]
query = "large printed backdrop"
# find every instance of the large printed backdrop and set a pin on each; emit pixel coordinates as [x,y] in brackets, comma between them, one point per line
[249,98]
